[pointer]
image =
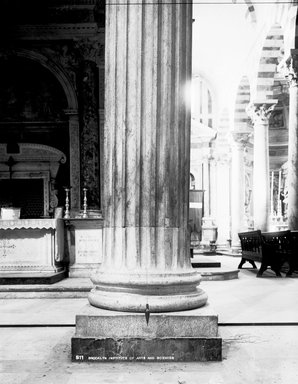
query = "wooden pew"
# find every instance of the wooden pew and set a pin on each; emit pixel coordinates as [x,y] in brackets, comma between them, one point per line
[276,250]
[271,249]
[251,245]
[293,254]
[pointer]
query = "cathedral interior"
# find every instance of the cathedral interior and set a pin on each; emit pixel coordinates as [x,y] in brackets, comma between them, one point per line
[137,140]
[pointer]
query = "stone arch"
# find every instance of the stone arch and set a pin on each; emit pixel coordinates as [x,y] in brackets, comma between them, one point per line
[59,74]
[241,119]
[272,53]
[71,112]
[203,96]
[251,12]
[290,29]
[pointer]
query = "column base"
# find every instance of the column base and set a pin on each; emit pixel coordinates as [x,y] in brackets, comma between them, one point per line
[160,292]
[108,336]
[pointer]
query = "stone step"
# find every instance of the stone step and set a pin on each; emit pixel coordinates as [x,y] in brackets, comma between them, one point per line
[15,278]
[206,264]
[216,274]
[214,267]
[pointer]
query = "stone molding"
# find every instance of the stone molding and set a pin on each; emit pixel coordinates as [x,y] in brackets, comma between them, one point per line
[62,31]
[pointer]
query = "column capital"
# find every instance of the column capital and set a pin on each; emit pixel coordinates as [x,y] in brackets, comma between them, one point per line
[240,139]
[289,68]
[260,111]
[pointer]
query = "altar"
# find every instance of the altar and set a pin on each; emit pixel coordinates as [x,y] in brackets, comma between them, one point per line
[32,249]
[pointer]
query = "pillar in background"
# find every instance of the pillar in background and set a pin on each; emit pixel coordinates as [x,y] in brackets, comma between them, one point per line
[292,64]
[223,199]
[239,141]
[260,112]
[146,255]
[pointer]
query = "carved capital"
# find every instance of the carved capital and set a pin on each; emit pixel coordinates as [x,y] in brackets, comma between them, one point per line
[260,112]
[90,49]
[240,139]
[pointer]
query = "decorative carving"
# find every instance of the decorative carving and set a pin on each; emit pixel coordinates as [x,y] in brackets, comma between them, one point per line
[30,152]
[90,49]
[241,139]
[53,196]
[290,69]
[261,111]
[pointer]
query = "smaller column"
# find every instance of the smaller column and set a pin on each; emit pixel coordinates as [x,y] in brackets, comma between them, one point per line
[209,228]
[205,186]
[223,199]
[239,141]
[260,113]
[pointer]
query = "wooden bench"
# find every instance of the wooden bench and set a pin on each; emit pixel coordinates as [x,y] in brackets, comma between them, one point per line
[251,245]
[293,254]
[276,250]
[271,249]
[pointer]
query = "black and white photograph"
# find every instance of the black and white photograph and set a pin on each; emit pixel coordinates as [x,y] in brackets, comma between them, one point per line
[148,192]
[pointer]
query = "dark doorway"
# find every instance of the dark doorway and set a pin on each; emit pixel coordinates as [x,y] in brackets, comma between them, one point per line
[26,194]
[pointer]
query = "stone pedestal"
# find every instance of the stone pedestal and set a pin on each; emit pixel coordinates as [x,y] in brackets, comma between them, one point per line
[107,336]
[85,246]
[31,251]
[260,113]
[146,161]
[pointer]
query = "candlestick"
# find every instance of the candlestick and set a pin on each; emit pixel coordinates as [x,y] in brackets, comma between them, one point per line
[279,192]
[67,212]
[85,214]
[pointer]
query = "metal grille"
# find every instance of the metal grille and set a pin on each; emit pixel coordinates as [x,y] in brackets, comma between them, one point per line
[26,194]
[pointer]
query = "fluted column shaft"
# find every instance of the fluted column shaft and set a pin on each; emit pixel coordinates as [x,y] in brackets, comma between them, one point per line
[146,160]
[293,142]
[260,114]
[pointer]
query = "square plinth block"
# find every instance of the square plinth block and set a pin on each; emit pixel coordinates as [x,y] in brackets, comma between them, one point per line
[108,336]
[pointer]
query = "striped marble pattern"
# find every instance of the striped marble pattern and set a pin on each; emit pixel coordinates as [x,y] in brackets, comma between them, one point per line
[241,119]
[271,55]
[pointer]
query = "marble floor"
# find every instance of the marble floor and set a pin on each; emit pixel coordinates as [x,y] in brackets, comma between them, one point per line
[258,320]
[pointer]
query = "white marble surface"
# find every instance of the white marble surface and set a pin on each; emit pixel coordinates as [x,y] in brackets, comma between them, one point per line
[251,355]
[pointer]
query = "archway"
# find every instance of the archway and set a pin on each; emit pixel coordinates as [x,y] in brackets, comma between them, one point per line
[32,110]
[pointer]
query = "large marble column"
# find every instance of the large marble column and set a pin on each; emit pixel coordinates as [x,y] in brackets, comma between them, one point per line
[293,142]
[259,113]
[237,187]
[146,257]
